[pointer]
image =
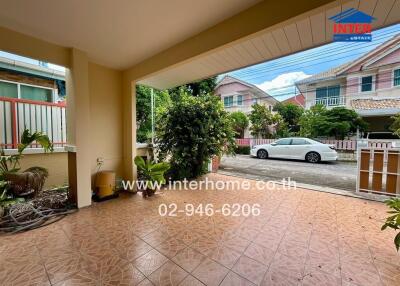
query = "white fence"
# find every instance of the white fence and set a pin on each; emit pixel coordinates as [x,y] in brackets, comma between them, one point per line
[17,115]
[343,145]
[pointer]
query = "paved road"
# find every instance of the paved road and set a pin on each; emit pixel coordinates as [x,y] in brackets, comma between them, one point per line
[339,175]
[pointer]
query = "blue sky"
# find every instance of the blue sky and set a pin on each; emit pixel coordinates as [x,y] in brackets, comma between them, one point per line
[28,60]
[277,76]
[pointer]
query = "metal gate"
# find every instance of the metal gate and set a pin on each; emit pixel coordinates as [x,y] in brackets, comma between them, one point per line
[379,171]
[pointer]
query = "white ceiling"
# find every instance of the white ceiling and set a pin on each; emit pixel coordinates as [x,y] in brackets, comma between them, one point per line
[309,30]
[116,33]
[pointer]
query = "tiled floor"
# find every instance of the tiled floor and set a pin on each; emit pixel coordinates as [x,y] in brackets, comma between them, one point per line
[301,238]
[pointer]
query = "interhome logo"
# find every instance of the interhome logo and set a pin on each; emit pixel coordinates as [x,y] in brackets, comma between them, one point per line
[352,26]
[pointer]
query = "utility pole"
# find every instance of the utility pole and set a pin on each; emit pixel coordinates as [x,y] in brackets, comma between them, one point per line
[152,117]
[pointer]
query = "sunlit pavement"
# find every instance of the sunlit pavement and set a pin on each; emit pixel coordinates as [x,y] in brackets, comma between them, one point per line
[337,174]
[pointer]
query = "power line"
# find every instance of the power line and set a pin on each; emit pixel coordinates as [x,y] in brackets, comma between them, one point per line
[347,48]
[295,63]
[314,90]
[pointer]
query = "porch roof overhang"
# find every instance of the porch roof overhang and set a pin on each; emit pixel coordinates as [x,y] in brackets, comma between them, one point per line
[231,36]
[304,30]
[377,112]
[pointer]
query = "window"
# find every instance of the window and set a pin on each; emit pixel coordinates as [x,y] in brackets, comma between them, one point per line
[254,100]
[298,141]
[366,83]
[270,108]
[8,89]
[239,100]
[328,95]
[228,101]
[283,141]
[36,93]
[396,77]
[328,91]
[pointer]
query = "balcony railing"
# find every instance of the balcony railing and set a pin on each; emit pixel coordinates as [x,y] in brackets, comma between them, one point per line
[331,101]
[19,114]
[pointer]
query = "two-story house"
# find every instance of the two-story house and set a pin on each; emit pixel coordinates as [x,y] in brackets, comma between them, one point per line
[238,95]
[370,85]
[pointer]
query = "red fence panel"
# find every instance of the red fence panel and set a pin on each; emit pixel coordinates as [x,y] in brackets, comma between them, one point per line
[19,114]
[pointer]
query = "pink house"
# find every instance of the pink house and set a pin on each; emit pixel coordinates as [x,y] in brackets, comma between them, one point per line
[238,95]
[370,85]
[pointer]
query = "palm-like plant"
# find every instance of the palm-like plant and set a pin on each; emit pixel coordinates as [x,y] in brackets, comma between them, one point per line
[31,180]
[10,163]
[152,173]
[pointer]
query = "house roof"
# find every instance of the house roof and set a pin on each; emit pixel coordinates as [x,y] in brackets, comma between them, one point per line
[341,69]
[27,68]
[325,75]
[298,99]
[367,104]
[227,79]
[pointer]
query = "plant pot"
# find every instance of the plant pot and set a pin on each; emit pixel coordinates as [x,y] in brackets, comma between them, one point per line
[215,161]
[148,192]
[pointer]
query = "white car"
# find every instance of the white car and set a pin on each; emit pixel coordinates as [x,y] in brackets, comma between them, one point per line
[296,148]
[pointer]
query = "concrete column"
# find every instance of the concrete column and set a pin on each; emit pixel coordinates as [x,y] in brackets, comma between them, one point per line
[78,125]
[129,90]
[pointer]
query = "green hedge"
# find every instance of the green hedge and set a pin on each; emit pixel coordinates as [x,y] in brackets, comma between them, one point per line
[244,150]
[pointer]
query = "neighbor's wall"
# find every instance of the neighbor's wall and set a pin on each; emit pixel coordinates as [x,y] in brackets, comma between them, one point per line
[17,77]
[106,118]
[55,163]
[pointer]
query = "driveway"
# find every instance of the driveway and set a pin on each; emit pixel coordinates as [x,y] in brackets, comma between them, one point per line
[338,174]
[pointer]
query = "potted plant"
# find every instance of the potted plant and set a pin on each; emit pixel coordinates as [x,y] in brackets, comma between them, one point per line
[393,221]
[151,174]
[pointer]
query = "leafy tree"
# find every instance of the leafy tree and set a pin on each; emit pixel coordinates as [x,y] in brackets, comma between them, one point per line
[395,127]
[344,122]
[337,122]
[198,88]
[312,120]
[143,110]
[261,119]
[192,130]
[239,123]
[290,113]
[281,126]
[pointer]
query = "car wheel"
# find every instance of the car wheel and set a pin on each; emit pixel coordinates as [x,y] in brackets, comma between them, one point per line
[262,154]
[313,157]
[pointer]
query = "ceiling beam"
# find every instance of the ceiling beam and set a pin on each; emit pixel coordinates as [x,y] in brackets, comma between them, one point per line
[27,46]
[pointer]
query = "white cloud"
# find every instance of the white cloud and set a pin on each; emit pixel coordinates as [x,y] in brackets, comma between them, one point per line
[283,85]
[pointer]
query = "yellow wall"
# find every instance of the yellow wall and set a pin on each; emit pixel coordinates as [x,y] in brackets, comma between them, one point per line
[55,163]
[106,118]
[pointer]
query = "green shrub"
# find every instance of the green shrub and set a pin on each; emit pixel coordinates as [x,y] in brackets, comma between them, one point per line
[393,221]
[243,150]
[192,130]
